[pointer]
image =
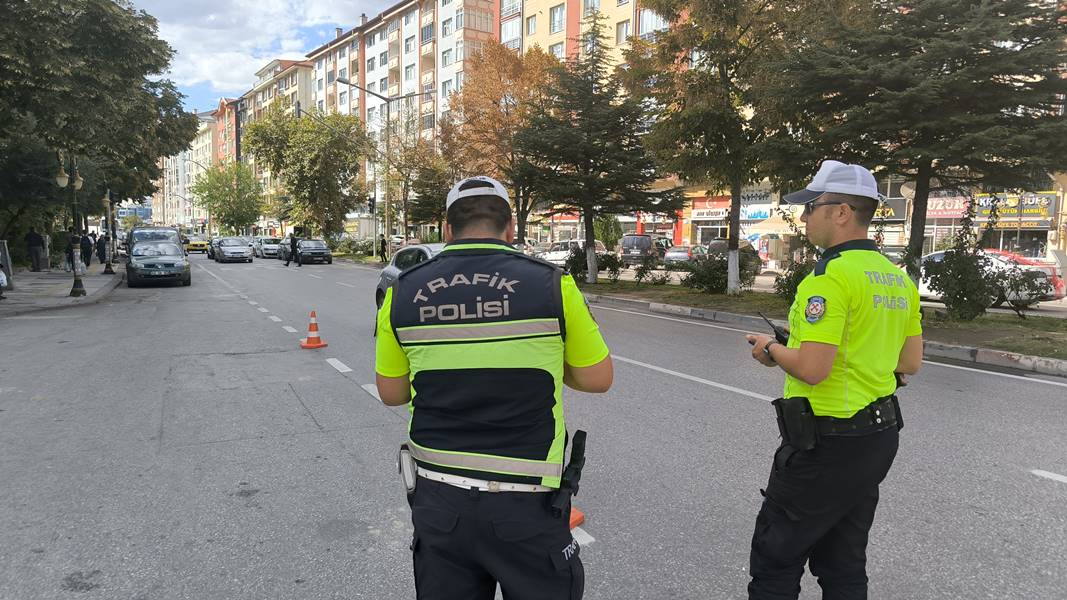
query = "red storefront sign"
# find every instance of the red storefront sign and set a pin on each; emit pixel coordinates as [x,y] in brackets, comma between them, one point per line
[712,202]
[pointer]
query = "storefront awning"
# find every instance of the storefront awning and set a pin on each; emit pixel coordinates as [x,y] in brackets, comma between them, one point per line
[774,224]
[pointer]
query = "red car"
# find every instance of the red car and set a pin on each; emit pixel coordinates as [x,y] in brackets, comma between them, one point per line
[1059,287]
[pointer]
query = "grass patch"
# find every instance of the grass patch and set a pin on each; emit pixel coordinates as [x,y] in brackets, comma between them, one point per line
[1037,336]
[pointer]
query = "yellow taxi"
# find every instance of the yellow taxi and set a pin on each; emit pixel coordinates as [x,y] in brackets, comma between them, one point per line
[196,244]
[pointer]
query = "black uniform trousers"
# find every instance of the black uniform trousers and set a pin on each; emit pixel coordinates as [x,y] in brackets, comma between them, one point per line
[818,509]
[467,541]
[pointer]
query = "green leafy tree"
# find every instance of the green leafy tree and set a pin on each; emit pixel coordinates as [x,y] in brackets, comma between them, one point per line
[608,230]
[583,146]
[131,220]
[231,193]
[431,185]
[697,79]
[953,93]
[318,161]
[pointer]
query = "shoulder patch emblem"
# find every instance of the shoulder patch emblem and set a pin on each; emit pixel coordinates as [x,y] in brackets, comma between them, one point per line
[816,309]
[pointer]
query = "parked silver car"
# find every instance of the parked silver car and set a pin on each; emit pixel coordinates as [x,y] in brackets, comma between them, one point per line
[265,247]
[404,259]
[157,260]
[233,249]
[677,255]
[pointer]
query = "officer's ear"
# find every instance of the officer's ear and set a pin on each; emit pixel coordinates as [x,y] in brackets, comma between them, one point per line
[509,231]
[448,233]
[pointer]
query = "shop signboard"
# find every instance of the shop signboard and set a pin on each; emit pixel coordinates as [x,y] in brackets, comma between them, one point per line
[892,210]
[711,202]
[710,214]
[944,204]
[1034,210]
[755,212]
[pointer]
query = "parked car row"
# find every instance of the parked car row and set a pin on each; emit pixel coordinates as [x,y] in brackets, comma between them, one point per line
[307,251]
[1002,262]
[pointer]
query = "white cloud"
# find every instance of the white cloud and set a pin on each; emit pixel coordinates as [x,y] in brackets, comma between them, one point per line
[224,42]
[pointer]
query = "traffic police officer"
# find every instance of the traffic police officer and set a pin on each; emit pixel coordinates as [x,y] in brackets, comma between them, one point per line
[855,322]
[480,341]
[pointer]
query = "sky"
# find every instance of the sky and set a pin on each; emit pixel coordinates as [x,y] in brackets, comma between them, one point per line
[220,44]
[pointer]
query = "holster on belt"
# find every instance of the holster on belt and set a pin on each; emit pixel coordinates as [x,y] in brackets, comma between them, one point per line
[796,422]
[572,475]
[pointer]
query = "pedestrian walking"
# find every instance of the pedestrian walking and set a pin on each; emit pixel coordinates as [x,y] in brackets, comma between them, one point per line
[101,249]
[86,249]
[3,281]
[855,323]
[294,241]
[70,250]
[381,247]
[480,340]
[35,248]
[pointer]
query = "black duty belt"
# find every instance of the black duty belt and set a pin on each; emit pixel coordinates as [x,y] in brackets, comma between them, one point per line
[876,416]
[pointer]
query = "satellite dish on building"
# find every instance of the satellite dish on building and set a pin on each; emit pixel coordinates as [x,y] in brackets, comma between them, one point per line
[907,189]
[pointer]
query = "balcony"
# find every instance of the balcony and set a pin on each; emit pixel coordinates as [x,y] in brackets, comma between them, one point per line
[394,63]
[394,90]
[515,44]
[427,107]
[429,50]
[427,18]
[511,8]
[394,36]
[427,78]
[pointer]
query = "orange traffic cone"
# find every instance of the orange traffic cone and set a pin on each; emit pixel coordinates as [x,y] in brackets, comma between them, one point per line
[577,517]
[313,340]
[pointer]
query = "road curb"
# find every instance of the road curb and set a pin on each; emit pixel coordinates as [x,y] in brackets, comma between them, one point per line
[931,349]
[103,292]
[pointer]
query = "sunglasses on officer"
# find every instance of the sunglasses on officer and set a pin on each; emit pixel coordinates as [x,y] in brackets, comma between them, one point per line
[810,207]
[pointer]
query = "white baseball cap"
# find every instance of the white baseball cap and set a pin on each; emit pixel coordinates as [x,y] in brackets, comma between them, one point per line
[476,186]
[837,177]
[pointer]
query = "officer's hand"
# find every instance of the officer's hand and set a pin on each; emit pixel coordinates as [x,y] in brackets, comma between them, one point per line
[759,342]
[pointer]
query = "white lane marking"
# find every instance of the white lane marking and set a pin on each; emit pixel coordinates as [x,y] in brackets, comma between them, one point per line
[244,297]
[275,319]
[686,321]
[1048,475]
[225,268]
[998,374]
[289,329]
[349,285]
[371,389]
[29,317]
[253,302]
[261,309]
[582,537]
[340,366]
[315,276]
[929,362]
[708,382]
[221,280]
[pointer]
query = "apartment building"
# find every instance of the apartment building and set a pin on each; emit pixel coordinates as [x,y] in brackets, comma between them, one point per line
[227,142]
[175,204]
[557,25]
[282,83]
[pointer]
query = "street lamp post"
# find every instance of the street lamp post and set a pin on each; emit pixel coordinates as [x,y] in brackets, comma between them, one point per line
[62,180]
[108,269]
[388,138]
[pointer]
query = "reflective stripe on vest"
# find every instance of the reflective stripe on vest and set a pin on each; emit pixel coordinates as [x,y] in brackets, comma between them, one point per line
[478,331]
[484,462]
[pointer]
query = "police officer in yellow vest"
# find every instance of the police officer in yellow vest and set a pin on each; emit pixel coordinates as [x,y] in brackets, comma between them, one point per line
[854,324]
[480,340]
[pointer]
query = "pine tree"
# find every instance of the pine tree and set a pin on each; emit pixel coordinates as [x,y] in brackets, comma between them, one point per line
[584,145]
[955,92]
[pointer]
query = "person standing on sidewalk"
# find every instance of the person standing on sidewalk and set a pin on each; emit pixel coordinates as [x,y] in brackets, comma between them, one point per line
[87,250]
[101,249]
[480,340]
[35,248]
[294,241]
[381,246]
[69,251]
[854,325]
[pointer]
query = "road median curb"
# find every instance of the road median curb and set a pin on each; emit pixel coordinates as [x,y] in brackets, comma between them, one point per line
[96,296]
[931,349]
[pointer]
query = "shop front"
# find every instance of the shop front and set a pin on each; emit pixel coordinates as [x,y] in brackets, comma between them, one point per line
[944,211]
[1024,221]
[710,219]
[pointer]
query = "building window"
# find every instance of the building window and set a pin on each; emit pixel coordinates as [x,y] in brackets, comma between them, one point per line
[343,52]
[355,46]
[318,65]
[383,58]
[509,7]
[621,2]
[409,17]
[409,44]
[446,57]
[383,85]
[370,114]
[370,64]
[446,88]
[649,24]
[556,50]
[409,73]
[446,28]
[531,25]
[591,6]
[555,19]
[329,76]
[370,85]
[459,81]
[322,106]
[622,32]
[459,19]
[510,32]
[427,121]
[342,98]
[427,33]
[319,86]
[342,74]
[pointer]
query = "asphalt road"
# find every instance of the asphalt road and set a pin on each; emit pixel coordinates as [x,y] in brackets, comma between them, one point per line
[177,443]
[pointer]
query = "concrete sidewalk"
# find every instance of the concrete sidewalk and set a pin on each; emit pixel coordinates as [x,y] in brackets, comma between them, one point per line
[47,290]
